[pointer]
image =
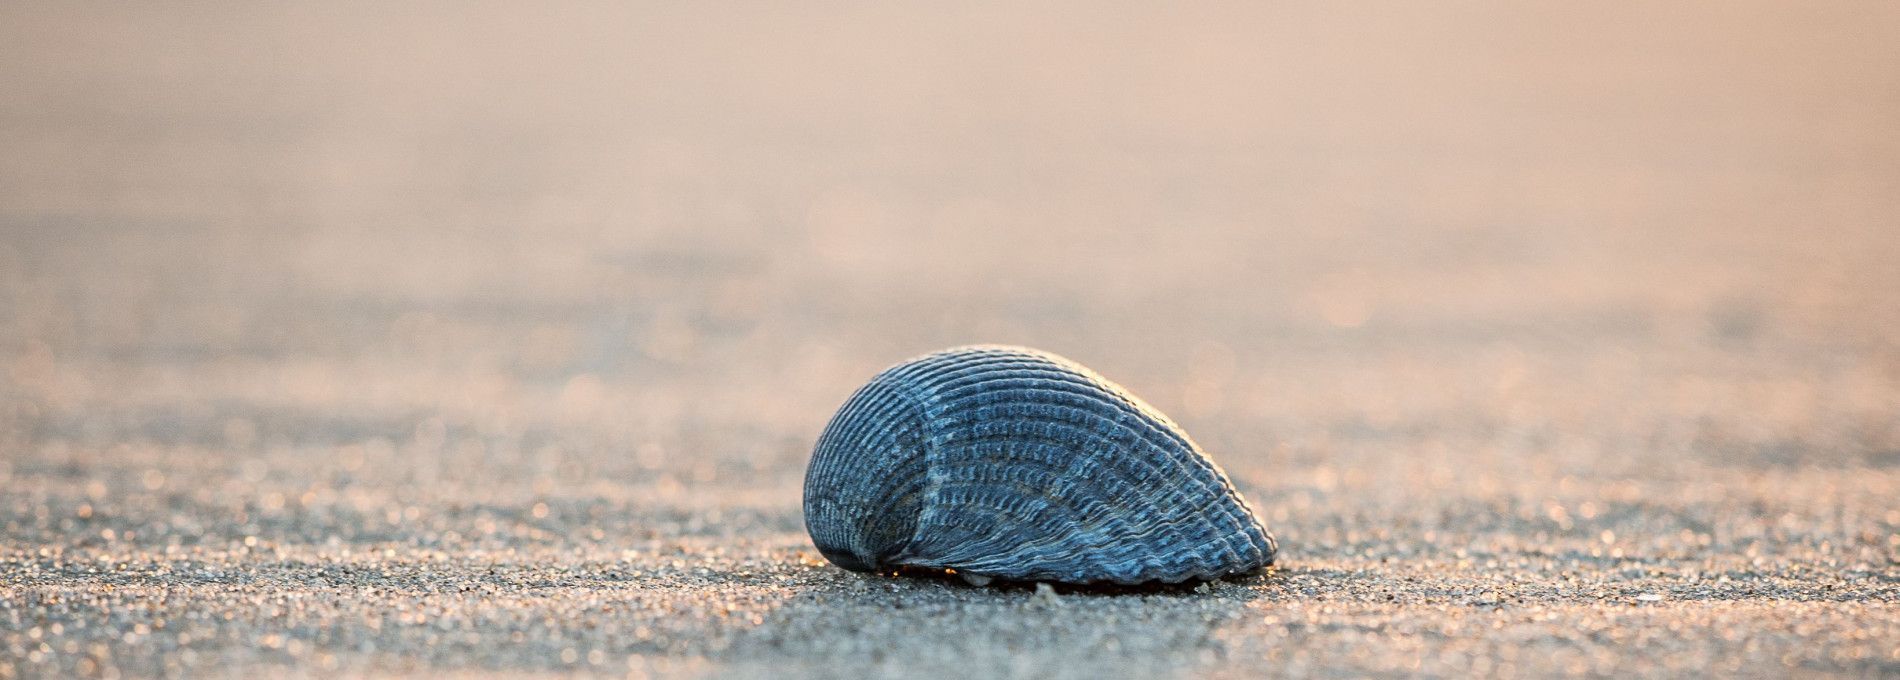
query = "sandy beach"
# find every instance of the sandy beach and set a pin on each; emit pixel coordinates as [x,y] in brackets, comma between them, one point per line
[472,339]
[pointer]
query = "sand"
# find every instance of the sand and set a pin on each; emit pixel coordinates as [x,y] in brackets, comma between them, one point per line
[350,341]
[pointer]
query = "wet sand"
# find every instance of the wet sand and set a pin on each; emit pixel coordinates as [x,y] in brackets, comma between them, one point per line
[342,340]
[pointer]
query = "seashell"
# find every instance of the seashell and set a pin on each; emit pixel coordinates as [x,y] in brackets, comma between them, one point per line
[1016,464]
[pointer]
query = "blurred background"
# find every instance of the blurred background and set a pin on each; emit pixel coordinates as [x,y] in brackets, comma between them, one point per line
[467,273]
[581,239]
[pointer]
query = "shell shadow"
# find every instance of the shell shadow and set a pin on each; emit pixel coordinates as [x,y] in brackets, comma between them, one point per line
[1191,587]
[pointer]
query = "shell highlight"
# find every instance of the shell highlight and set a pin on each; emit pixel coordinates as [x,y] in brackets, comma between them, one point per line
[1017,464]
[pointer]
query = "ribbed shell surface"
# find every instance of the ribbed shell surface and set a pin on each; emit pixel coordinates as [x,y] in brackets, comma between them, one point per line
[1018,464]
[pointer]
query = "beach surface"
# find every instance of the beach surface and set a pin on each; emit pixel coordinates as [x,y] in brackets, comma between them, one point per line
[471,339]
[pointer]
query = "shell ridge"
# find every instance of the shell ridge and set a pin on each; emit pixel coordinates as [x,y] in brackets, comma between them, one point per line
[977,380]
[1189,558]
[1042,474]
[1111,472]
[855,430]
[954,368]
[1094,444]
[914,466]
[824,499]
[1112,541]
[1118,424]
[949,479]
[1072,396]
[977,524]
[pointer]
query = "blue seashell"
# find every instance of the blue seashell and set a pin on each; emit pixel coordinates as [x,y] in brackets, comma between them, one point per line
[1012,463]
